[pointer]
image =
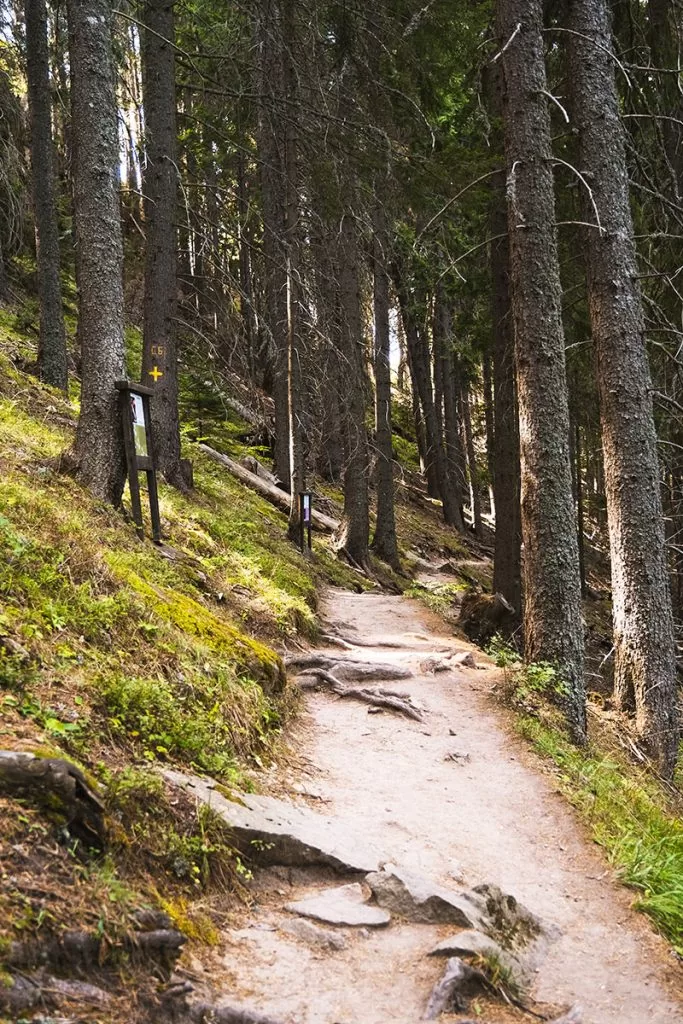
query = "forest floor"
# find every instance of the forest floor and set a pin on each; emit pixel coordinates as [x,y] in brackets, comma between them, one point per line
[460,799]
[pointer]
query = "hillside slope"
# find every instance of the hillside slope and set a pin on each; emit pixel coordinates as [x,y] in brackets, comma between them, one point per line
[122,657]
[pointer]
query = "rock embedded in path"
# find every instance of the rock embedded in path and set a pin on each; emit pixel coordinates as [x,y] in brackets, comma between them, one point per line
[277,832]
[468,943]
[320,938]
[475,944]
[484,909]
[418,899]
[502,917]
[344,905]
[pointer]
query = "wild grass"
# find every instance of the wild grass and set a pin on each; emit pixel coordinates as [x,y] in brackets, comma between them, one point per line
[630,816]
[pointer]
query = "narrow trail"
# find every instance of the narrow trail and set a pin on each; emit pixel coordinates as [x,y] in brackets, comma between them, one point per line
[460,800]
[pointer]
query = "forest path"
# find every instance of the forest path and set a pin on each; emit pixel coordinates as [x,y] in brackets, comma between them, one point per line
[490,815]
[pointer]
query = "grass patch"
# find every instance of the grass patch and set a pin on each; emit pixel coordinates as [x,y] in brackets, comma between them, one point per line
[629,816]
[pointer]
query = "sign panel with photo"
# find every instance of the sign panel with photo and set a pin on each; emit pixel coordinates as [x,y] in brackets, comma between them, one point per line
[139,426]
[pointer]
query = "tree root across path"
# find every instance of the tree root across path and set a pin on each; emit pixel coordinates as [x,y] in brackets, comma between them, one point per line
[316,669]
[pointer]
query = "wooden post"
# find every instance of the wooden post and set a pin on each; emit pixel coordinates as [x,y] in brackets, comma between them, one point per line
[305,519]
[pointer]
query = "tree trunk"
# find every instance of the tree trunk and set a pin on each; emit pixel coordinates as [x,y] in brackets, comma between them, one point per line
[456,458]
[645,667]
[271,145]
[384,542]
[419,361]
[99,441]
[472,469]
[159,357]
[553,625]
[487,378]
[354,534]
[507,558]
[52,354]
[297,467]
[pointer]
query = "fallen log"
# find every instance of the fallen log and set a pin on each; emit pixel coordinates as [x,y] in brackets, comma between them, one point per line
[375,698]
[267,490]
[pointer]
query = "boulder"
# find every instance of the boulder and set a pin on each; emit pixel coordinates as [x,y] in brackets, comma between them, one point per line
[276,831]
[344,905]
[418,899]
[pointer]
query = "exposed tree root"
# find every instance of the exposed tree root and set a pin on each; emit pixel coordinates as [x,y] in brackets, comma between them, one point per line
[350,645]
[352,671]
[376,698]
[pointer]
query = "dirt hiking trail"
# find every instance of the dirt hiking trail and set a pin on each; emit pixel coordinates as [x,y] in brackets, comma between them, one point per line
[460,800]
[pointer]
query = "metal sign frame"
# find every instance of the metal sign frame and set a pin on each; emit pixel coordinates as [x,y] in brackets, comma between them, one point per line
[134,404]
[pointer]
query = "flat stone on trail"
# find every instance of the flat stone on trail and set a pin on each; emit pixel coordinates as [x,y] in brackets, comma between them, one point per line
[418,899]
[277,832]
[321,938]
[343,905]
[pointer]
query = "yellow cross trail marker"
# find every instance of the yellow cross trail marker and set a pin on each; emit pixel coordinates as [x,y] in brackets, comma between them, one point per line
[156,373]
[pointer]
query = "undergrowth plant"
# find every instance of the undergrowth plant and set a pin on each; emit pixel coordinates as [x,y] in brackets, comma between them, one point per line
[629,816]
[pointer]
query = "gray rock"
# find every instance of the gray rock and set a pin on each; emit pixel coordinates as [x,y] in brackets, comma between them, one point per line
[344,905]
[277,832]
[485,909]
[321,938]
[418,899]
[464,658]
[468,943]
[471,943]
[501,916]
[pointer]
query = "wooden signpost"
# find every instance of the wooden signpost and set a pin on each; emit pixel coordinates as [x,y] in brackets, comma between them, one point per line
[305,518]
[137,436]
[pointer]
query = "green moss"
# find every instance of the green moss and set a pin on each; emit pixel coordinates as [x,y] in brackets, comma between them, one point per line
[218,635]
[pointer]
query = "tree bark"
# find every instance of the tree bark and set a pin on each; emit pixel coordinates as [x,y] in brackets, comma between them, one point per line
[553,625]
[472,468]
[159,356]
[297,466]
[645,668]
[354,534]
[507,558]
[52,354]
[419,361]
[99,441]
[384,542]
[271,147]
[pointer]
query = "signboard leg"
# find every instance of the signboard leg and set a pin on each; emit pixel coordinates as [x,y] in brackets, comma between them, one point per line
[154,505]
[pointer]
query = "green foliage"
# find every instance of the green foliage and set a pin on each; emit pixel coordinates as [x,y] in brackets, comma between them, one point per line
[187,723]
[502,652]
[440,597]
[629,816]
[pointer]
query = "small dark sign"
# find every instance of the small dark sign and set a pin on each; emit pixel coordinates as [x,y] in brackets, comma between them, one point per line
[137,437]
[305,519]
